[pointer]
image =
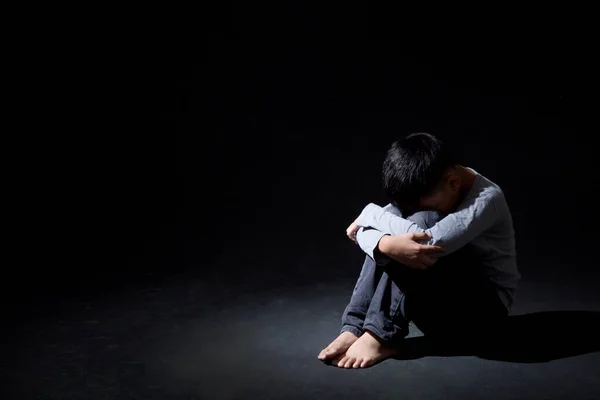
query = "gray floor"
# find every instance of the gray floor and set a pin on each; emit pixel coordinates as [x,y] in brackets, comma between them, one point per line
[181,337]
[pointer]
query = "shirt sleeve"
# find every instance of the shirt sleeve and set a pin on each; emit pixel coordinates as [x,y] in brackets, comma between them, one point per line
[473,217]
[367,239]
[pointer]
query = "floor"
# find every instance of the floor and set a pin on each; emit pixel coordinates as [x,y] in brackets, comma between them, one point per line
[177,336]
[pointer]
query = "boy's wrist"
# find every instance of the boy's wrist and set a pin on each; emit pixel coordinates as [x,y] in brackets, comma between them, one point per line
[383,244]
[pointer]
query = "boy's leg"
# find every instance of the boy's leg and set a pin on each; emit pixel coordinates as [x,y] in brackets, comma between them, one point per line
[451,297]
[375,293]
[454,299]
[354,314]
[353,317]
[387,316]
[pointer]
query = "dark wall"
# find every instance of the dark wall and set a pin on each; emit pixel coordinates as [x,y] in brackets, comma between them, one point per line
[173,159]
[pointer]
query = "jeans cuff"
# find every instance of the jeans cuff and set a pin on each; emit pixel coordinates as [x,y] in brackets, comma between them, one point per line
[386,337]
[352,329]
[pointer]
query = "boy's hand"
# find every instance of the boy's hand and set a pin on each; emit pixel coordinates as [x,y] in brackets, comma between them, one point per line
[405,249]
[351,231]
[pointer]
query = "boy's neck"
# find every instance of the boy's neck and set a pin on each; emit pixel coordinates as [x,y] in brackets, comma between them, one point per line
[467,177]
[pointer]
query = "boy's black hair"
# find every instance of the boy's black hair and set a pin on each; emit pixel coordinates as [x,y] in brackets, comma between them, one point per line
[413,168]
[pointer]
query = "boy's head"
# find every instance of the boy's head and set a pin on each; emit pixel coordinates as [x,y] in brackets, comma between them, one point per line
[420,173]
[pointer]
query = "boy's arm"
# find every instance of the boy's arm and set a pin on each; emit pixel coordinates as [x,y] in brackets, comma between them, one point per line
[368,240]
[472,217]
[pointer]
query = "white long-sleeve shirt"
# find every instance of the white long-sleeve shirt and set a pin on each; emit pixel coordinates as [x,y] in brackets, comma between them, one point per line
[482,221]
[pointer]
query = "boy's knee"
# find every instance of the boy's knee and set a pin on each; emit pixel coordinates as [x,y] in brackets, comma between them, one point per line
[425,219]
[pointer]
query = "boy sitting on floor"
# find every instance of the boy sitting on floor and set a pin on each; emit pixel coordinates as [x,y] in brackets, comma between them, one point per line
[441,254]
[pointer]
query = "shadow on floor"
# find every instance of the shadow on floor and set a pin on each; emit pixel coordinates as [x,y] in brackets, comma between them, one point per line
[529,338]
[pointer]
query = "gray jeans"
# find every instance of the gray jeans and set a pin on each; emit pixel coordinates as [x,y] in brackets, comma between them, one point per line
[450,299]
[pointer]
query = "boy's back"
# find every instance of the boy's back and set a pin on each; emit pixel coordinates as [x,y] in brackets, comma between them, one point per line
[495,247]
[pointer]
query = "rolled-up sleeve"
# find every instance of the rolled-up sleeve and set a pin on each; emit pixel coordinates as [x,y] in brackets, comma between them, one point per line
[367,239]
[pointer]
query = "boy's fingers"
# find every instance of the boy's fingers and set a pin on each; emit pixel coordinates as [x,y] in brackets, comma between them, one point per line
[420,236]
[431,249]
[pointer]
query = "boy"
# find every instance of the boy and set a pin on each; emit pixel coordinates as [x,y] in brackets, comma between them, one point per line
[441,254]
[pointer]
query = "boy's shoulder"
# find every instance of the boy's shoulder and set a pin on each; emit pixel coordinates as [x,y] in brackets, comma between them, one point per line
[484,186]
[489,192]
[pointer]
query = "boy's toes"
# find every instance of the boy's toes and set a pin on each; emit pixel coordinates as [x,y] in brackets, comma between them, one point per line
[357,363]
[349,362]
[323,354]
[328,352]
[342,362]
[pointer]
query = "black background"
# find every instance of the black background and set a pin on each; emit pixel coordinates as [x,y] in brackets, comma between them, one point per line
[255,141]
[236,158]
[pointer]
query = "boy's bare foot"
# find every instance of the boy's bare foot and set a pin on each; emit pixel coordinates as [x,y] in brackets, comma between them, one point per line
[338,346]
[365,352]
